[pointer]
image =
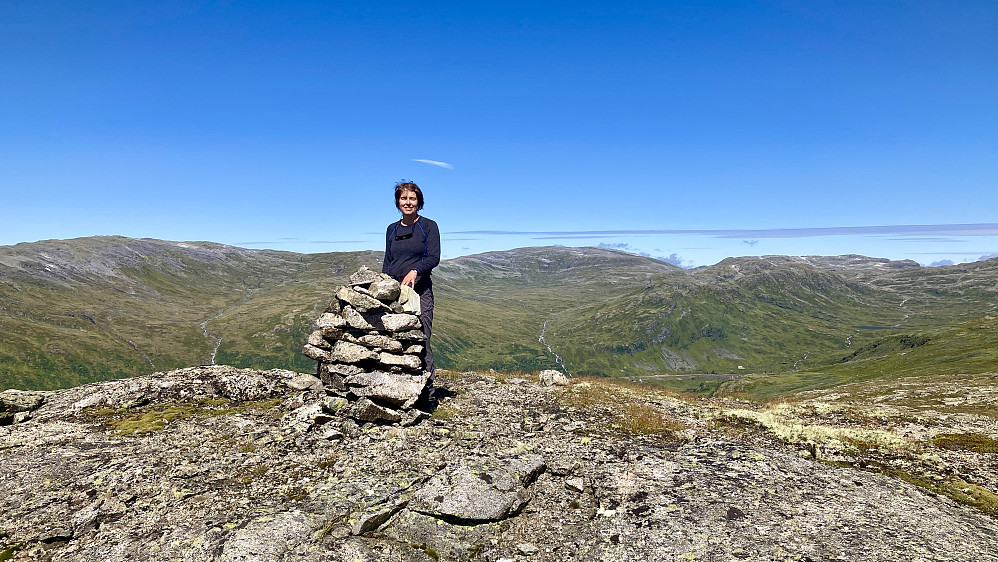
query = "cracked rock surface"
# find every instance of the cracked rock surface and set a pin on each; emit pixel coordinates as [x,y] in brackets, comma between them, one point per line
[208,463]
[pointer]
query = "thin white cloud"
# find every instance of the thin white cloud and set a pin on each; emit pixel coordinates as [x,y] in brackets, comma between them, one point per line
[434,163]
[919,230]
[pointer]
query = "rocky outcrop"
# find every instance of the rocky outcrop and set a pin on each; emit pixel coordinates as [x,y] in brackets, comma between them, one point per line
[16,405]
[369,350]
[207,464]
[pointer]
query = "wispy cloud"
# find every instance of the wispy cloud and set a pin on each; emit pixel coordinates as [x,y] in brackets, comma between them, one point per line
[285,241]
[985,229]
[579,236]
[927,239]
[977,253]
[434,163]
[752,242]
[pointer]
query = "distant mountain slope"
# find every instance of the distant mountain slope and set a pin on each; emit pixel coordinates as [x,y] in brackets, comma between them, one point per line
[74,311]
[493,306]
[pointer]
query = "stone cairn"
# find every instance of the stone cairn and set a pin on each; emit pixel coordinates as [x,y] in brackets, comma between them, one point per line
[370,351]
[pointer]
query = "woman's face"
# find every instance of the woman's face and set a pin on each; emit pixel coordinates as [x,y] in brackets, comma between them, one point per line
[408,203]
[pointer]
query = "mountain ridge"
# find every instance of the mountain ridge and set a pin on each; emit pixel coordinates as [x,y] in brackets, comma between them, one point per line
[74,311]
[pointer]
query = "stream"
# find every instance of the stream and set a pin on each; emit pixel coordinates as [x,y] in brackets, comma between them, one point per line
[216,339]
[557,358]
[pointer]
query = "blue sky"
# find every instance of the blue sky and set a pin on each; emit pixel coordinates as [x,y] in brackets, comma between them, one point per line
[684,130]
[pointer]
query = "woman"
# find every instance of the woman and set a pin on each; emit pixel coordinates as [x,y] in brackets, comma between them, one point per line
[412,250]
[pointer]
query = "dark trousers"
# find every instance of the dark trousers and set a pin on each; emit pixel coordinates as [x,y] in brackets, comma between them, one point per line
[426,318]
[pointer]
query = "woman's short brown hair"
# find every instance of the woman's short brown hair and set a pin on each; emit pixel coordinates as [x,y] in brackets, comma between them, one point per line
[403,186]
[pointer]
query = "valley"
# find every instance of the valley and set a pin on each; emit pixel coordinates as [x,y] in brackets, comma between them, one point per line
[77,311]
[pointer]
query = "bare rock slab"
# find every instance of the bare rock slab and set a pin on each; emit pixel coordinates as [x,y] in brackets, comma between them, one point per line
[20,400]
[479,490]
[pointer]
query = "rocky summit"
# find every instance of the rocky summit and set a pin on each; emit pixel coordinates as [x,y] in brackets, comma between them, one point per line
[218,463]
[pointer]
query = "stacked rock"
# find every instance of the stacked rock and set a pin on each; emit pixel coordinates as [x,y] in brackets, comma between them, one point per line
[370,350]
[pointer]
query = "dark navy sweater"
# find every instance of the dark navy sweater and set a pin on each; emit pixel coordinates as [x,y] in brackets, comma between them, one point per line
[412,247]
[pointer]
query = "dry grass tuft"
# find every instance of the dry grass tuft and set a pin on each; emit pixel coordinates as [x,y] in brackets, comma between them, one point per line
[646,420]
[623,406]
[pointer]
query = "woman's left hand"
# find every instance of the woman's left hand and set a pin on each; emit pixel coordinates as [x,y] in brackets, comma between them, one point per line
[410,279]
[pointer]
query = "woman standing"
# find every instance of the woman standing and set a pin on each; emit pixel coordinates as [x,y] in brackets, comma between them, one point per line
[412,250]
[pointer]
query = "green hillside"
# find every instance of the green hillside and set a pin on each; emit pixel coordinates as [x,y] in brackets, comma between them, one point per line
[75,311]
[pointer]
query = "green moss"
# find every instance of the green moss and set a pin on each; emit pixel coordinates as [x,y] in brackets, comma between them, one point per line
[8,553]
[966,442]
[155,418]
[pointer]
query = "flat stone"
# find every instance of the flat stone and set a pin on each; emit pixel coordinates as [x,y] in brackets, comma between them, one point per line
[384,342]
[371,520]
[342,369]
[411,335]
[305,382]
[316,353]
[362,321]
[366,410]
[316,339]
[267,538]
[395,389]
[414,350]
[400,322]
[360,301]
[479,490]
[410,362]
[330,320]
[346,352]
